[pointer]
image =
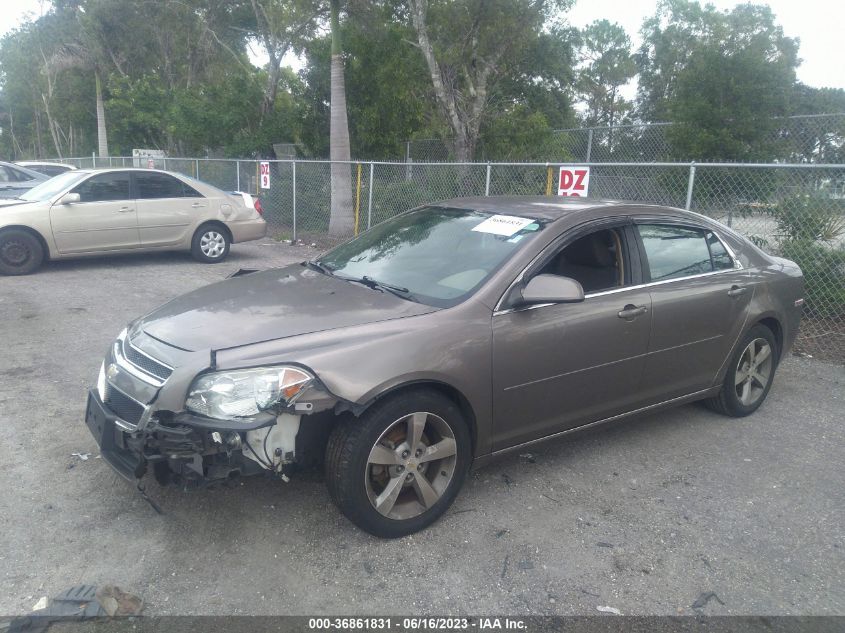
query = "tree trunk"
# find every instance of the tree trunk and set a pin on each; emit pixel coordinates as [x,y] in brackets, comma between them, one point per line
[341,221]
[102,139]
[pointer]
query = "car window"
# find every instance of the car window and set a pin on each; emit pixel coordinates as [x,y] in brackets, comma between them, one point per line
[6,175]
[596,261]
[675,251]
[19,176]
[104,187]
[162,186]
[438,255]
[721,258]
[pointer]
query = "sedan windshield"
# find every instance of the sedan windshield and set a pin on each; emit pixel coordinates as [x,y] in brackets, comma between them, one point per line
[433,255]
[54,186]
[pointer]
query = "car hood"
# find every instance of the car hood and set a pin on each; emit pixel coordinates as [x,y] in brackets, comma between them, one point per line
[270,305]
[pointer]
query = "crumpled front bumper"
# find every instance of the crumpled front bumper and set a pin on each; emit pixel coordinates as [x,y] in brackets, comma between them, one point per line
[182,449]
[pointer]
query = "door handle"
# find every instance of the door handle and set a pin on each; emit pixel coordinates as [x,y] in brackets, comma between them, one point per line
[737,291]
[631,311]
[197,205]
[125,209]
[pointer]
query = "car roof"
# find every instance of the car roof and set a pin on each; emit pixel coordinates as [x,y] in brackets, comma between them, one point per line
[549,208]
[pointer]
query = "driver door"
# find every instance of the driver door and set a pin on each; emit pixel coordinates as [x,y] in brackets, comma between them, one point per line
[105,218]
[559,366]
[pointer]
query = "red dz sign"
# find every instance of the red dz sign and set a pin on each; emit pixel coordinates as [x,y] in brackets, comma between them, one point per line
[574,181]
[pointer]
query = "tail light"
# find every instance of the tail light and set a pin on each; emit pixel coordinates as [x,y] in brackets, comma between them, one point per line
[258,207]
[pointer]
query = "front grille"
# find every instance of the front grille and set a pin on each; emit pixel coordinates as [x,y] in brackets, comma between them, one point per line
[123,406]
[152,367]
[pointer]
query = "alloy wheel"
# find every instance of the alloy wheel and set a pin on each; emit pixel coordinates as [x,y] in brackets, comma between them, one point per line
[754,371]
[411,465]
[212,244]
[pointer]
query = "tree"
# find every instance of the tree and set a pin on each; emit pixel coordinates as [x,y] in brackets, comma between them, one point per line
[723,78]
[467,55]
[341,220]
[608,64]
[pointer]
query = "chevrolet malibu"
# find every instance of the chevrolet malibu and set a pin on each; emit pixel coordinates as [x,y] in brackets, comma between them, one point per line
[95,212]
[442,338]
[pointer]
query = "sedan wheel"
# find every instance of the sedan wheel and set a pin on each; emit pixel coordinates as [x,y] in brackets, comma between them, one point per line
[753,371]
[411,465]
[749,376]
[397,468]
[210,244]
[20,252]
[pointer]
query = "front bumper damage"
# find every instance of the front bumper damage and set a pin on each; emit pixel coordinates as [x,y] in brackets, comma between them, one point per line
[136,419]
[180,449]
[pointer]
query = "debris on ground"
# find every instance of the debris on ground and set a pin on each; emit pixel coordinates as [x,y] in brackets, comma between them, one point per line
[80,602]
[612,610]
[115,601]
[83,456]
[529,457]
[704,598]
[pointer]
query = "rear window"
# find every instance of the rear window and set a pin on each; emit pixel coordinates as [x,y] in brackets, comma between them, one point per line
[162,186]
[675,251]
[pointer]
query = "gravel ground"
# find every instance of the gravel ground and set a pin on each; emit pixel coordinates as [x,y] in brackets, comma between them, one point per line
[644,516]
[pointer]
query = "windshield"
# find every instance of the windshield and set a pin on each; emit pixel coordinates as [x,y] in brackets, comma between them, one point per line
[54,186]
[433,255]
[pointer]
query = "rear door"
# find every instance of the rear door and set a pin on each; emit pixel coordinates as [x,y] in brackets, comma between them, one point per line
[167,208]
[103,219]
[699,296]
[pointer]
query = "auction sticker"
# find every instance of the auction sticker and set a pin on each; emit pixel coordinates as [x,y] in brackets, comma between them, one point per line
[506,225]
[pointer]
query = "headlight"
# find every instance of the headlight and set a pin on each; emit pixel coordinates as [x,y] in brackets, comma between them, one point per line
[241,393]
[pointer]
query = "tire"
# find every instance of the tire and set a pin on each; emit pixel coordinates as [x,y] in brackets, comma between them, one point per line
[749,378]
[412,489]
[210,244]
[21,253]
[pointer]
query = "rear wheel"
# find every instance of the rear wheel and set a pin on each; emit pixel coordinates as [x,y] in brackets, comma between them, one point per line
[399,467]
[210,244]
[750,374]
[21,252]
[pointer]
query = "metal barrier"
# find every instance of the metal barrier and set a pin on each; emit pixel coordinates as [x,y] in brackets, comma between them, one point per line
[793,210]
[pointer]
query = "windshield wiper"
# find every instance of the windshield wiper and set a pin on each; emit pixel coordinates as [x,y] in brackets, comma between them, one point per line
[399,291]
[322,268]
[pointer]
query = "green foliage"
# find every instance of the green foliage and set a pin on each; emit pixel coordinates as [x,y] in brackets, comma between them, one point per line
[605,52]
[809,226]
[824,276]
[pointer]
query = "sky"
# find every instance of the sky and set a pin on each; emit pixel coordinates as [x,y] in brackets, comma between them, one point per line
[818,24]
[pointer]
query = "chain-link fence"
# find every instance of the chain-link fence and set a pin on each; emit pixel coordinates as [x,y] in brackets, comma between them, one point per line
[797,211]
[807,138]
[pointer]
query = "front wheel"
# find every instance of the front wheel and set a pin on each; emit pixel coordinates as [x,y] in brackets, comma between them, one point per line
[400,466]
[210,244]
[21,252]
[749,376]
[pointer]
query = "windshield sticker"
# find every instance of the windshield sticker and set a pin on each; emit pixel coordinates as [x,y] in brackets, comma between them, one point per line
[506,225]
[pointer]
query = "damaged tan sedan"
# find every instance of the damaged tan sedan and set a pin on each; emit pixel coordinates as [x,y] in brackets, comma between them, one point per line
[96,212]
[442,338]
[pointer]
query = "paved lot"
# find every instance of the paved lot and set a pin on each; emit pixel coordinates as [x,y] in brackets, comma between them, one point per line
[644,516]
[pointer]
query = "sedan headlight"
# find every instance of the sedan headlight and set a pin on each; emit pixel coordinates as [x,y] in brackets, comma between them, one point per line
[242,393]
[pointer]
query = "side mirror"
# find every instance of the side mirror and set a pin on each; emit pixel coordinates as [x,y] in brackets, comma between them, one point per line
[552,289]
[69,198]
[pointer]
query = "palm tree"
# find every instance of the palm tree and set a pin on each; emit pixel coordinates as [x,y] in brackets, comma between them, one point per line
[341,221]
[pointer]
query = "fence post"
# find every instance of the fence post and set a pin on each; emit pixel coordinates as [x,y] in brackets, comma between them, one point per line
[293,190]
[549,179]
[690,185]
[589,144]
[238,175]
[370,199]
[165,163]
[357,196]
[487,181]
[197,168]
